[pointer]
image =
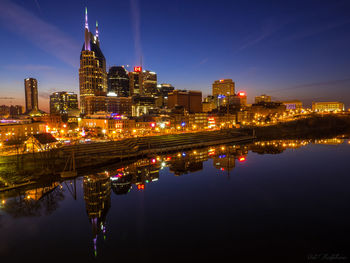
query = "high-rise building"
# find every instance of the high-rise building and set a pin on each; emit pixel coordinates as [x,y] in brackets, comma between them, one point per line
[92,71]
[31,94]
[143,82]
[62,102]
[190,100]
[149,82]
[225,87]
[136,82]
[118,82]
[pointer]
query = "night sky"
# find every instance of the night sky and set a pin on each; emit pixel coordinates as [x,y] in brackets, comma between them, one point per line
[286,49]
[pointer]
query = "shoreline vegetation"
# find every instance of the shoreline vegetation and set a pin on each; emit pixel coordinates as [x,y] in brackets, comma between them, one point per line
[310,128]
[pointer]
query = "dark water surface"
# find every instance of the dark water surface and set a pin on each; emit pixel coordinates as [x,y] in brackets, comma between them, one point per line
[283,200]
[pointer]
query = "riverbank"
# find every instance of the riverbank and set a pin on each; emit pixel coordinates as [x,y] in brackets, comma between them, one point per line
[94,154]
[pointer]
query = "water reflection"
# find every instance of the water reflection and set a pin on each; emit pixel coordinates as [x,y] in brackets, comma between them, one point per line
[38,198]
[97,196]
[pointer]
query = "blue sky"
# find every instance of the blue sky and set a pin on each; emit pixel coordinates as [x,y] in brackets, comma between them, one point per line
[289,50]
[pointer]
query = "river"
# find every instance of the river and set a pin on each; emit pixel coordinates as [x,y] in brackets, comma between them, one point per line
[285,200]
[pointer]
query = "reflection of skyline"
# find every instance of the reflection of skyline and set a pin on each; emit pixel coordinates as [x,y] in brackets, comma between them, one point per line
[97,196]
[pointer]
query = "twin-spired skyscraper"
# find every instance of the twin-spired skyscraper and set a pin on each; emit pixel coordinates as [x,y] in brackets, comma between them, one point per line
[92,72]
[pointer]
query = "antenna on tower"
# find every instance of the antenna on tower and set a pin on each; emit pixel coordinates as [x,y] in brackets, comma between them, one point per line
[96,29]
[86,19]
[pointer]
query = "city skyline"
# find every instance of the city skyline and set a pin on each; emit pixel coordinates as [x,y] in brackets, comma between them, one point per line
[282,51]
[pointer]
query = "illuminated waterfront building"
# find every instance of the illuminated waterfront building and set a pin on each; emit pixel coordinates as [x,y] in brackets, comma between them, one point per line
[10,129]
[31,95]
[62,102]
[262,98]
[224,87]
[92,71]
[190,100]
[118,82]
[327,106]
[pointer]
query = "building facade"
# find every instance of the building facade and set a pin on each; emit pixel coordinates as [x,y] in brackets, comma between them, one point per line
[31,94]
[190,100]
[262,98]
[13,129]
[327,106]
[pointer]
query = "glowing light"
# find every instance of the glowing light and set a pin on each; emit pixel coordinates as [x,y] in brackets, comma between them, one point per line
[162,125]
[183,124]
[134,131]
[137,69]
[241,94]
[141,186]
[153,160]
[153,125]
[241,159]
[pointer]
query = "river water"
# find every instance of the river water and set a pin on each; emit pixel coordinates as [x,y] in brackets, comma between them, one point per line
[274,200]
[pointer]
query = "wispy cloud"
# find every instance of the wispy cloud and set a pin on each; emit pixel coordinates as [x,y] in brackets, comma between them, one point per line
[312,30]
[42,34]
[268,28]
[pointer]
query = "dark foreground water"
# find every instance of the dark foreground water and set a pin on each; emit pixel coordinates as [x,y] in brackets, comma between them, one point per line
[284,200]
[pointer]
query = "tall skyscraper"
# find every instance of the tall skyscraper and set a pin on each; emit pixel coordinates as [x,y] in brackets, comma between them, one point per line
[92,71]
[31,94]
[62,102]
[224,87]
[118,82]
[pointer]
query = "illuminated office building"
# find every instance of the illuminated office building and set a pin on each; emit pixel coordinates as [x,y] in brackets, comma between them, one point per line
[92,71]
[62,102]
[224,87]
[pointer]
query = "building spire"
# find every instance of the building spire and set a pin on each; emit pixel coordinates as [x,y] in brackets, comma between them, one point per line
[87,33]
[96,29]
[86,19]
